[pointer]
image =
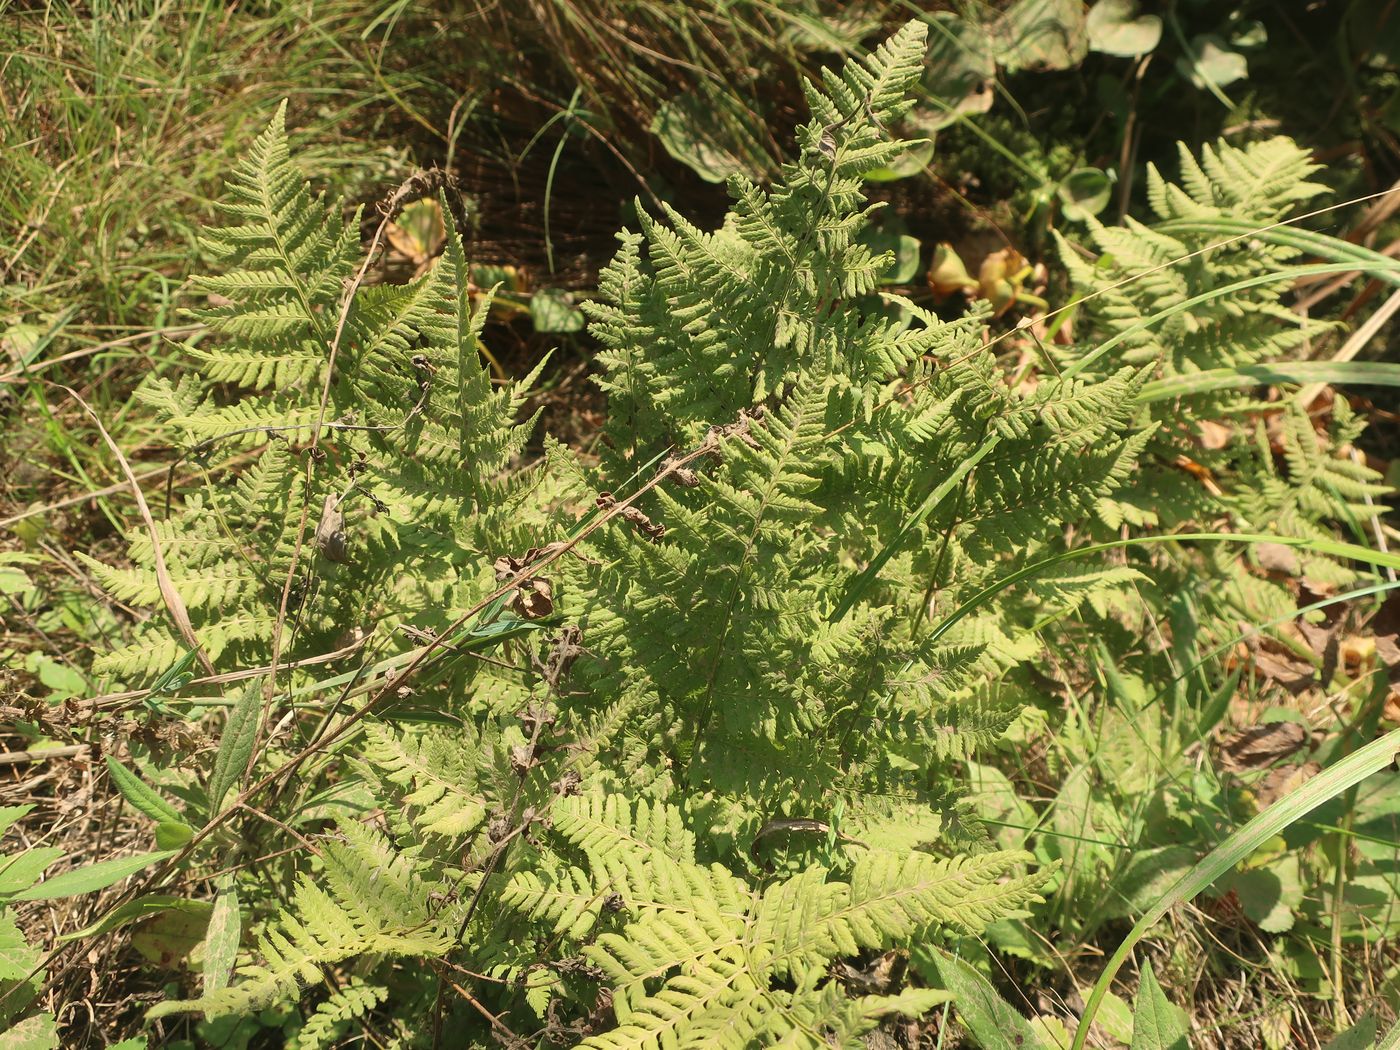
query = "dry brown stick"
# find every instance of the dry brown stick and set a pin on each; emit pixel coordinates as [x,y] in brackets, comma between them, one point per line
[113,699]
[17,758]
[174,604]
[390,209]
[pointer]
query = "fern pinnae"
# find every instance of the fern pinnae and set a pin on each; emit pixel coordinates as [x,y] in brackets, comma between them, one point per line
[805,621]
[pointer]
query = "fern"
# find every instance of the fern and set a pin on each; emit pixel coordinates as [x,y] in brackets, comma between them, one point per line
[331,1017]
[1270,468]
[420,435]
[741,967]
[377,903]
[737,759]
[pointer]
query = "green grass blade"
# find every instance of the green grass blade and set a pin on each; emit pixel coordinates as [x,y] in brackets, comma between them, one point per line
[1391,271]
[1350,771]
[1354,256]
[862,582]
[1336,548]
[1369,373]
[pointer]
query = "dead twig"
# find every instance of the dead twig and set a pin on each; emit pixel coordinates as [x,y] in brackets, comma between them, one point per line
[174,604]
[17,758]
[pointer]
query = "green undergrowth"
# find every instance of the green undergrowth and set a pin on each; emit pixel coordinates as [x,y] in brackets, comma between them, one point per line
[866,684]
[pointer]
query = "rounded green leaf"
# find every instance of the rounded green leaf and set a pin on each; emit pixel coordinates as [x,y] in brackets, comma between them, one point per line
[1116,28]
[1042,35]
[1212,63]
[958,72]
[553,310]
[1085,192]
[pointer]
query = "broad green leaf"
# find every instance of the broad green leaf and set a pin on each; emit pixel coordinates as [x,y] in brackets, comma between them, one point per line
[17,957]
[553,310]
[1157,1024]
[63,681]
[958,73]
[1268,894]
[136,1042]
[223,937]
[1148,874]
[993,1022]
[1212,63]
[13,579]
[92,877]
[33,1033]
[141,795]
[235,748]
[1051,1032]
[168,938]
[1085,192]
[1360,1036]
[1115,27]
[142,907]
[893,237]
[1116,1019]
[1041,34]
[708,133]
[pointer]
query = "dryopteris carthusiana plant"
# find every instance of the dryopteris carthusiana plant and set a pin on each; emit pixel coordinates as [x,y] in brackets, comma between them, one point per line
[686,749]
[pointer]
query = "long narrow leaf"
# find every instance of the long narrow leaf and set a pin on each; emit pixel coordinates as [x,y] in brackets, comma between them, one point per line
[1275,277]
[235,748]
[862,582]
[141,795]
[91,877]
[1349,256]
[1351,770]
[1336,548]
[1370,373]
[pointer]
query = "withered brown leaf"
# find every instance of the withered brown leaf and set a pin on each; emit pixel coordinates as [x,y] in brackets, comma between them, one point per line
[1261,745]
[534,598]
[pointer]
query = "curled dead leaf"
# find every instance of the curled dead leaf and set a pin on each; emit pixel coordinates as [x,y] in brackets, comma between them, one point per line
[534,598]
[683,476]
[1274,660]
[508,566]
[653,531]
[330,531]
